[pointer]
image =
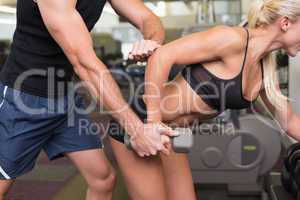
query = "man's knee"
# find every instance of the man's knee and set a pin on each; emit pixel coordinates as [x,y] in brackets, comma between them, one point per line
[100,183]
[4,187]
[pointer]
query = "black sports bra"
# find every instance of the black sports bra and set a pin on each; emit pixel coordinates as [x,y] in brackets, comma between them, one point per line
[219,94]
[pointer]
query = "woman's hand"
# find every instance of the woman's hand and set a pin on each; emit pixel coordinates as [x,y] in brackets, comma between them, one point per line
[153,138]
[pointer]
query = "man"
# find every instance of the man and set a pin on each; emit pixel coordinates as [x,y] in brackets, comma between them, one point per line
[50,42]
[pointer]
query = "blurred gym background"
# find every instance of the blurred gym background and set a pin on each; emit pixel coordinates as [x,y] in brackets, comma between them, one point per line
[113,38]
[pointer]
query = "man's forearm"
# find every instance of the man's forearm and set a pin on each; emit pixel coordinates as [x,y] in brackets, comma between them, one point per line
[102,85]
[152,29]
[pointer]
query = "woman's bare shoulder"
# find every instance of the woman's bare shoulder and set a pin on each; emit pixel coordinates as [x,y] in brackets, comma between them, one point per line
[230,39]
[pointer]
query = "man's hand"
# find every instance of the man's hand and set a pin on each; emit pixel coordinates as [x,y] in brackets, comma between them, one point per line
[143,49]
[153,138]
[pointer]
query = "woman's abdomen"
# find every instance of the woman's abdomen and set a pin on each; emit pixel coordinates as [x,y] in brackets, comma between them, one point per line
[179,100]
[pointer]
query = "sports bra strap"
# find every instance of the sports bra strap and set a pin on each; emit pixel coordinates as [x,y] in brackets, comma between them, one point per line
[246,50]
[262,69]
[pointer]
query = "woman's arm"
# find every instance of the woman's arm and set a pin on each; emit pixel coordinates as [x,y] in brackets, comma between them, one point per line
[286,117]
[214,44]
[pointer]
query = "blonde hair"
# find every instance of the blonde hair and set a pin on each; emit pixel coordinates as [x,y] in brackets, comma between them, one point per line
[265,12]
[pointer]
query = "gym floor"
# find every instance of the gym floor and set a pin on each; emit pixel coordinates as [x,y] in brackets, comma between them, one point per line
[60,180]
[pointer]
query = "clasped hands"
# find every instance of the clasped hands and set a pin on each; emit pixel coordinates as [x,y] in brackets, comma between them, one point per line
[152,139]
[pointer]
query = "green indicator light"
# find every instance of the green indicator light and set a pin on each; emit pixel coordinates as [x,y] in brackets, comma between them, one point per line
[249,148]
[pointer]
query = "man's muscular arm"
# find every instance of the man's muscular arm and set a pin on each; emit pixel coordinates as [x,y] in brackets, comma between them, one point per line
[146,21]
[67,27]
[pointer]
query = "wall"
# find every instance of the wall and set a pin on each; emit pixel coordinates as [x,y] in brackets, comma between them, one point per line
[246,5]
[294,82]
[7,26]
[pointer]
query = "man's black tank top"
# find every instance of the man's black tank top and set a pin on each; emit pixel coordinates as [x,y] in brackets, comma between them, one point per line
[34,53]
[219,94]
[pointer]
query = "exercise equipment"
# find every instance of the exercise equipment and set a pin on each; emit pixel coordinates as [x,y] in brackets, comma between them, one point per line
[293,155]
[286,179]
[238,159]
[184,141]
[290,175]
[181,143]
[297,175]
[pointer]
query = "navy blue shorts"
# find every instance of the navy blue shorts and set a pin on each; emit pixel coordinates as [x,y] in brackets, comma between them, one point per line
[30,124]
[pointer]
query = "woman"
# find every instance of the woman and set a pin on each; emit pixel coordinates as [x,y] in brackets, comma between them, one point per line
[227,68]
